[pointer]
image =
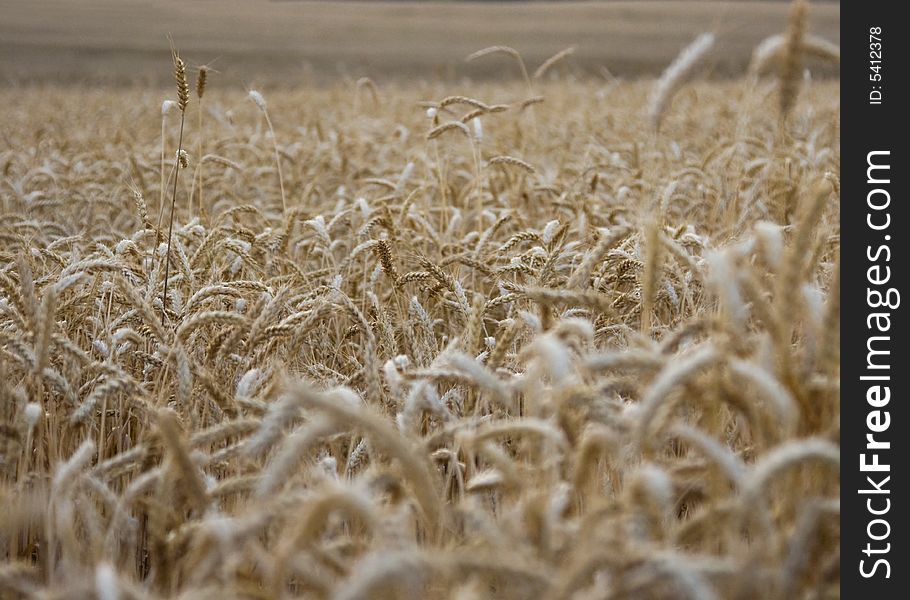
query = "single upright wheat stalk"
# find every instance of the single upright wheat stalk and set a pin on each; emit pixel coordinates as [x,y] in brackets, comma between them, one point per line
[259,101]
[791,69]
[183,99]
[201,80]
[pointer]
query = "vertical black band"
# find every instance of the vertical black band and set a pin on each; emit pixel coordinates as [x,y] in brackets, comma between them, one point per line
[874,226]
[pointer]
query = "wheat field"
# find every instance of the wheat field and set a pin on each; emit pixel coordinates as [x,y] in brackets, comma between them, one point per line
[545,338]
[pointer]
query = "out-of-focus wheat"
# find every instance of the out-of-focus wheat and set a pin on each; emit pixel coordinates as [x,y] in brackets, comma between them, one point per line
[460,360]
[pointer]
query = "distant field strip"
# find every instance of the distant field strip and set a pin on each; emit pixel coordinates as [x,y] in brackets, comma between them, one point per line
[256,42]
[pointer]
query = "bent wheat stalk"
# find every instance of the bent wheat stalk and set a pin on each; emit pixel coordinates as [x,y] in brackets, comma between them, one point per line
[676,75]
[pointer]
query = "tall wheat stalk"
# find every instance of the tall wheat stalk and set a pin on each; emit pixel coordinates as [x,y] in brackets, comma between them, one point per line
[259,101]
[201,82]
[791,74]
[183,99]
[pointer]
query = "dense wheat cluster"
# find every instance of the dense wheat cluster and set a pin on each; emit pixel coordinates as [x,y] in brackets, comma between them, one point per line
[462,341]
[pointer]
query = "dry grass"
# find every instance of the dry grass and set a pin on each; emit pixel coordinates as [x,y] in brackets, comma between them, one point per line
[546,352]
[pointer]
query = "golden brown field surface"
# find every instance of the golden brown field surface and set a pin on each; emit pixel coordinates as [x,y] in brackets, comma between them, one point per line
[257,41]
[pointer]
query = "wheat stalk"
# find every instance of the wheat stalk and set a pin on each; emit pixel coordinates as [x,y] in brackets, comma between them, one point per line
[183,99]
[503,50]
[676,75]
[259,101]
[791,69]
[553,60]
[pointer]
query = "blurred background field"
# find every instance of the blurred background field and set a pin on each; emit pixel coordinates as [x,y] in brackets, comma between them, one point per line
[286,43]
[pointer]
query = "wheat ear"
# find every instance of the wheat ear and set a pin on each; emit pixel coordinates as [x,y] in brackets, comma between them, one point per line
[201,81]
[791,70]
[679,71]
